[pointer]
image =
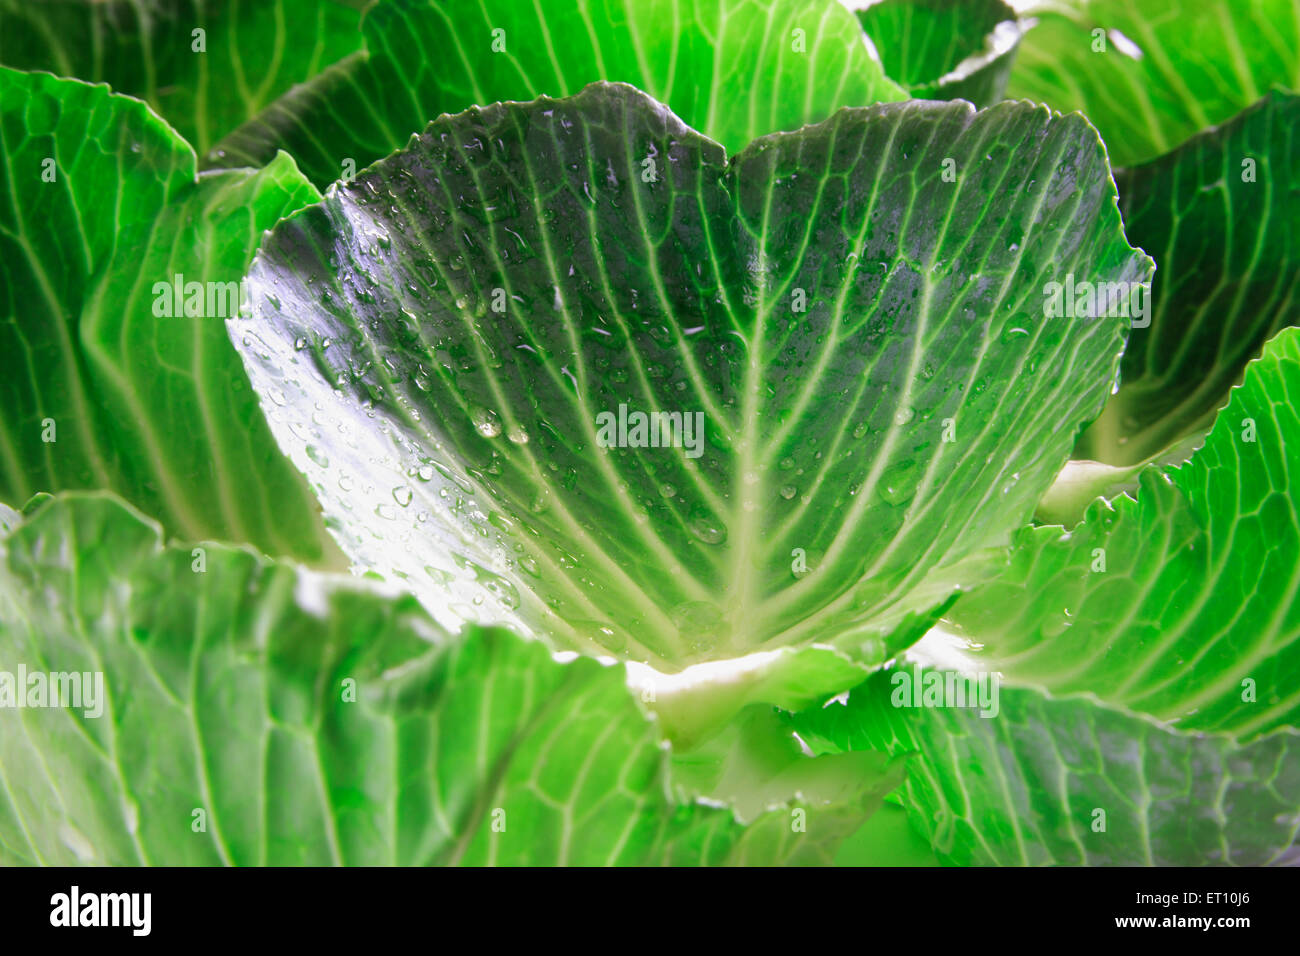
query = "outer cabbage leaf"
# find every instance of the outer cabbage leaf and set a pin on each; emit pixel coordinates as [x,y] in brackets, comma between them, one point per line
[100,202]
[1150,74]
[204,84]
[1182,604]
[1219,215]
[255,713]
[941,49]
[734,69]
[825,306]
[1071,781]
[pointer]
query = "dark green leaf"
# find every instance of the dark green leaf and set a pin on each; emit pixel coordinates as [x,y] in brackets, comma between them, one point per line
[100,212]
[1219,214]
[203,83]
[944,49]
[733,69]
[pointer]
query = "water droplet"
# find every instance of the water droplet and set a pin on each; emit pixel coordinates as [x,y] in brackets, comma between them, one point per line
[486,421]
[402,495]
[788,491]
[455,479]
[426,472]
[904,415]
[897,485]
[604,635]
[501,589]
[707,528]
[318,456]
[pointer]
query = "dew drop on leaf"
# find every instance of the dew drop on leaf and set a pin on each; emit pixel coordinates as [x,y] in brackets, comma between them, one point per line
[896,485]
[604,635]
[707,528]
[501,589]
[486,421]
[696,620]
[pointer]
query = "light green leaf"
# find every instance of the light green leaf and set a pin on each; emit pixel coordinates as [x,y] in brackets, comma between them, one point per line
[1082,481]
[700,700]
[733,69]
[943,49]
[698,703]
[756,765]
[857,346]
[1219,214]
[100,212]
[315,720]
[1070,781]
[1185,603]
[205,66]
[886,839]
[1150,74]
